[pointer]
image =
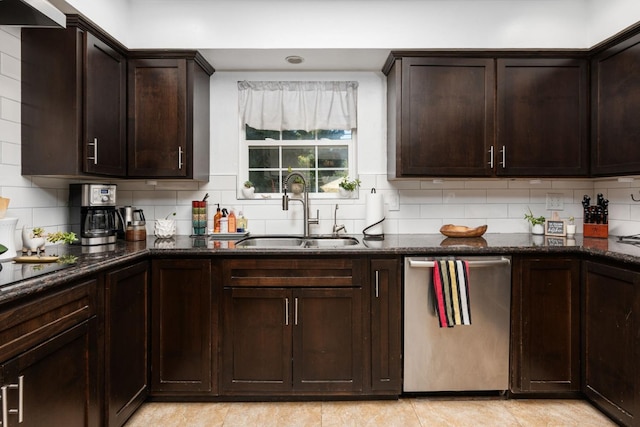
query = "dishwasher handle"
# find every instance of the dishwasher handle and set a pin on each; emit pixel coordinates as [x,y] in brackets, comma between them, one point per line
[415,263]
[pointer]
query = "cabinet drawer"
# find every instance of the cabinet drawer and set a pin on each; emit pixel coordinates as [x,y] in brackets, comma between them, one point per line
[301,272]
[26,324]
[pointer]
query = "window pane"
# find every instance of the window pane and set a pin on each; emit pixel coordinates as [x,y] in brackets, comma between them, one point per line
[333,157]
[263,157]
[329,180]
[265,181]
[334,134]
[298,157]
[298,135]
[259,134]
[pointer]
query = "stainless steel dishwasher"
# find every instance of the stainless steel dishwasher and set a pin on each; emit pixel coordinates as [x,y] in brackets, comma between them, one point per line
[462,358]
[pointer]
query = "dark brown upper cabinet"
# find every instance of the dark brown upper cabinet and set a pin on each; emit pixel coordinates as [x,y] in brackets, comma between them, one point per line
[480,116]
[440,117]
[168,115]
[542,117]
[73,101]
[615,85]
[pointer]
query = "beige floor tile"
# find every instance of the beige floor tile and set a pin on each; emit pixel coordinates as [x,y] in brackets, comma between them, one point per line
[274,414]
[463,412]
[169,414]
[557,413]
[388,413]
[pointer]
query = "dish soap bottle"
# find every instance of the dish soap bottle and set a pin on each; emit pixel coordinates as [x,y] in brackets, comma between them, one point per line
[232,222]
[242,223]
[216,220]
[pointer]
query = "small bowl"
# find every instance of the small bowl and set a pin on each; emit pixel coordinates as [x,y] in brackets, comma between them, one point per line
[451,230]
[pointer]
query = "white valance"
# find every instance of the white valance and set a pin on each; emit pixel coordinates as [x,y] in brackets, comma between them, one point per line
[298,105]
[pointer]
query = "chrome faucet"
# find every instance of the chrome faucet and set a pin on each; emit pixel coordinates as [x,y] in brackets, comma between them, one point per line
[337,228]
[305,202]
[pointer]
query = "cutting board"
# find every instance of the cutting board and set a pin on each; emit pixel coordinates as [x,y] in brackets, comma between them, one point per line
[35,259]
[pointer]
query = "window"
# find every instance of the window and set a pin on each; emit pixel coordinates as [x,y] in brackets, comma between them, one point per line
[307,127]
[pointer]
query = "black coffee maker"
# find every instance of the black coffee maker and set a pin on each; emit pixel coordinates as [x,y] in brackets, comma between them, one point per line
[92,213]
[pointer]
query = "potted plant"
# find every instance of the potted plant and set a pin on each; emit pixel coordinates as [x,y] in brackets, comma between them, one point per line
[537,222]
[165,228]
[34,241]
[571,226]
[297,185]
[248,190]
[347,187]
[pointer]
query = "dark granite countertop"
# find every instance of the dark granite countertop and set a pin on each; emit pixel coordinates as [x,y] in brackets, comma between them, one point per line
[17,280]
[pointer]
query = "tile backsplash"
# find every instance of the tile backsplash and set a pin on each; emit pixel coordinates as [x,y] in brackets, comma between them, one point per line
[415,206]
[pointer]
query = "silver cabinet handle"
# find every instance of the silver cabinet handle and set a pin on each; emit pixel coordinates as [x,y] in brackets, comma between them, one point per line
[377,283]
[491,157]
[504,156]
[414,263]
[5,404]
[286,311]
[94,144]
[295,311]
[180,157]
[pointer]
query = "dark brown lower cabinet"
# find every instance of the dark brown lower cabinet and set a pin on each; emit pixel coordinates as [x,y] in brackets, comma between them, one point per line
[386,326]
[292,327]
[545,325]
[126,341]
[612,340]
[182,362]
[48,353]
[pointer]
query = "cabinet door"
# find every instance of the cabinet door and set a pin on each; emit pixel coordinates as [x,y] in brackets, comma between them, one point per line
[446,117]
[105,109]
[327,340]
[615,102]
[182,327]
[126,333]
[611,340]
[386,327]
[57,378]
[546,325]
[542,117]
[157,143]
[256,354]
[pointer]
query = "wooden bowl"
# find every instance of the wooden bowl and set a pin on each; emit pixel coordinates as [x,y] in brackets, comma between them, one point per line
[451,230]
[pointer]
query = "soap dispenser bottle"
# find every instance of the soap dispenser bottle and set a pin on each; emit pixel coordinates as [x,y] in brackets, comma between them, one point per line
[224,221]
[232,222]
[242,222]
[216,220]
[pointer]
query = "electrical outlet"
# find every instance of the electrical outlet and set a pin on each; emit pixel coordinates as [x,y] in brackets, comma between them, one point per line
[392,200]
[555,201]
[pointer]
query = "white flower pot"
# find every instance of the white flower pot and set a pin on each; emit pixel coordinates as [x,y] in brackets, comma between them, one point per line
[248,193]
[571,229]
[345,194]
[537,229]
[164,228]
[31,244]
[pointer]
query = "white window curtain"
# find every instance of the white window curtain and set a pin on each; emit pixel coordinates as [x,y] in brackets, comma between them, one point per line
[298,105]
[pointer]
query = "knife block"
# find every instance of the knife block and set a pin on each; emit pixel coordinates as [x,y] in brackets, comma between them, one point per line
[595,230]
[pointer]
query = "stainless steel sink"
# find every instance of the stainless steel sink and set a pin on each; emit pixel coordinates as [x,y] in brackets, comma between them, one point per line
[290,242]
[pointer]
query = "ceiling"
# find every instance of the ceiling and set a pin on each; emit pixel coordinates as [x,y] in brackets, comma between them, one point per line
[314,59]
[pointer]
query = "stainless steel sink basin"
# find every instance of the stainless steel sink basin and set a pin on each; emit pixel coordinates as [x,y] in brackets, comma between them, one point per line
[290,242]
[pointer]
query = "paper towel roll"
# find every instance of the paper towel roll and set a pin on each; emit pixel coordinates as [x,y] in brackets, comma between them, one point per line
[374,214]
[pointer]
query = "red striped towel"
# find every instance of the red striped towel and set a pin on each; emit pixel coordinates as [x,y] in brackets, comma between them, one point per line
[451,286]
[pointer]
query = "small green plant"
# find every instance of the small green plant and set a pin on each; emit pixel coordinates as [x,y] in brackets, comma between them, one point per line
[248,184]
[349,185]
[534,220]
[296,179]
[572,220]
[37,232]
[64,237]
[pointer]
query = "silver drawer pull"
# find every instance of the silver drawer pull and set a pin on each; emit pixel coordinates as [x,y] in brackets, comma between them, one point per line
[180,157]
[94,144]
[5,404]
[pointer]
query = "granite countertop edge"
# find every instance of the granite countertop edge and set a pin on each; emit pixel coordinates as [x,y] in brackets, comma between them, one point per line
[392,245]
